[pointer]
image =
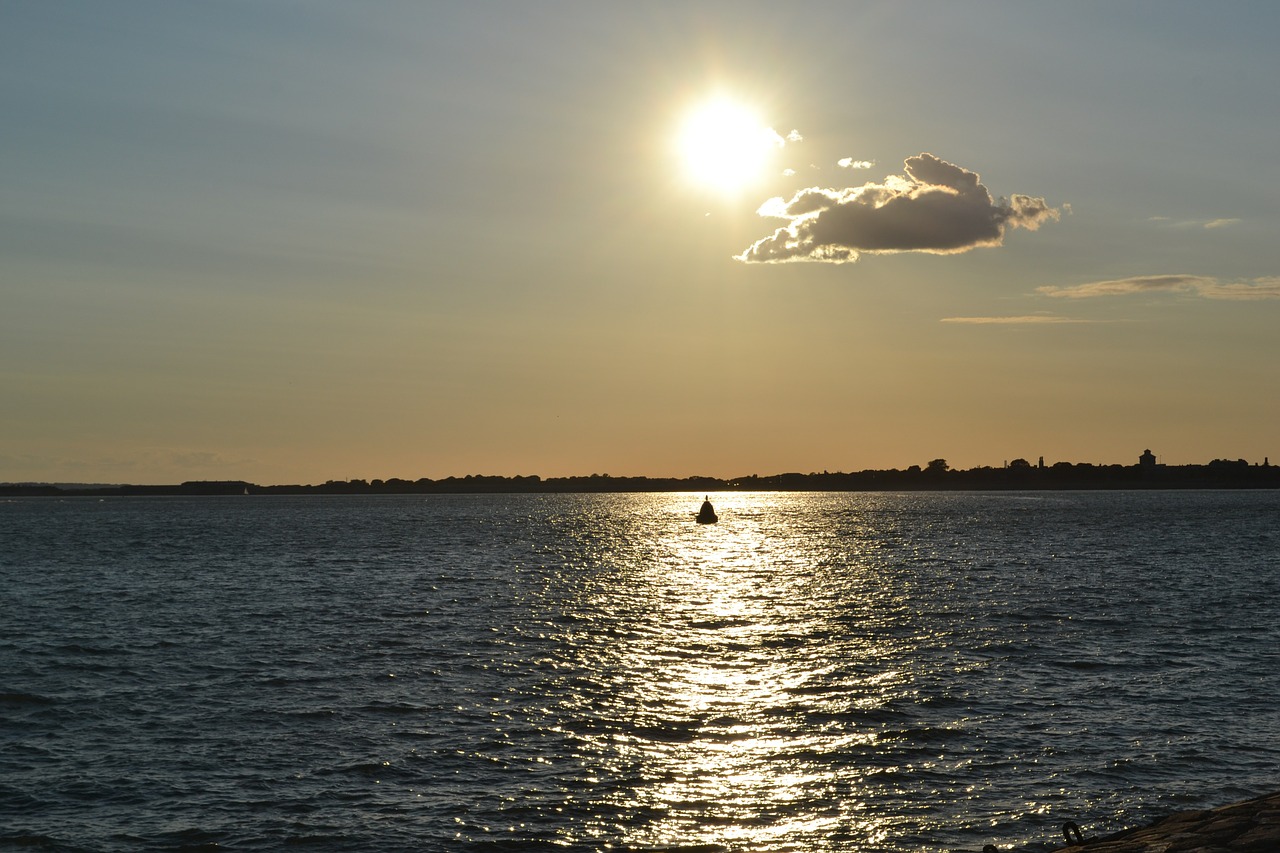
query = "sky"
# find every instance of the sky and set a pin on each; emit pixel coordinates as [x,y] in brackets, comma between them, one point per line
[290,242]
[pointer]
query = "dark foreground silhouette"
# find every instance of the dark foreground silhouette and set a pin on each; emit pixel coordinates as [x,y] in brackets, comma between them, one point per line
[936,476]
[1246,827]
[707,514]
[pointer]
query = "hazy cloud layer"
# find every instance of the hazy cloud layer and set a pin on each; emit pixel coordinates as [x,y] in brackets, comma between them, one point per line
[1199,285]
[1029,319]
[204,459]
[936,207]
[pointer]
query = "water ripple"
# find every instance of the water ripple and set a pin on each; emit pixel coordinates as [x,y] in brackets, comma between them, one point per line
[815,672]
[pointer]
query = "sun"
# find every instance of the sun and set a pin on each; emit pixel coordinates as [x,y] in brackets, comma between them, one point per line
[724,146]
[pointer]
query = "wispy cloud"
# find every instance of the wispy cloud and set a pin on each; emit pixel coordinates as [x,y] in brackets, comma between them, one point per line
[1223,222]
[850,163]
[1207,287]
[1026,320]
[936,207]
[203,459]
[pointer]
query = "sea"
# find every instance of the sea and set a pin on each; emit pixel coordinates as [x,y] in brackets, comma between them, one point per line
[816,672]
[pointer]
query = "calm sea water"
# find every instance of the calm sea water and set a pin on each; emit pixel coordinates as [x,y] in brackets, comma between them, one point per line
[817,672]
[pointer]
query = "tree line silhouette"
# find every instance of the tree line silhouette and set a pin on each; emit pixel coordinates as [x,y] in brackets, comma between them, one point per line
[937,475]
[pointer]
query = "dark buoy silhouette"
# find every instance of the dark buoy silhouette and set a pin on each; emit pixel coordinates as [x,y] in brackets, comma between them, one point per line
[707,515]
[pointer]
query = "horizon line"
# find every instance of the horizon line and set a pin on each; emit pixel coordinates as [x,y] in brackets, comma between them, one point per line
[1147,460]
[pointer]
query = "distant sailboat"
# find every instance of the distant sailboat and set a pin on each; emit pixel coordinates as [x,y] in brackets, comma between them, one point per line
[707,515]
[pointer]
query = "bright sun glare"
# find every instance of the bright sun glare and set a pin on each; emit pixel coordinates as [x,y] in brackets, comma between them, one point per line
[725,146]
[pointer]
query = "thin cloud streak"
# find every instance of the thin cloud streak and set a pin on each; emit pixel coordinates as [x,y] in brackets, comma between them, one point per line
[936,207]
[1207,287]
[1029,319]
[1207,224]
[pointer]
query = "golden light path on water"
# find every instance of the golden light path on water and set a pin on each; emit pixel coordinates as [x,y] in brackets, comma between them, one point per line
[734,669]
[835,672]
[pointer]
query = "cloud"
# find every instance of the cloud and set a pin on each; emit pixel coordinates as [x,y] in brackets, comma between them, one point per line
[850,163]
[1207,287]
[936,207]
[202,460]
[1030,319]
[1224,222]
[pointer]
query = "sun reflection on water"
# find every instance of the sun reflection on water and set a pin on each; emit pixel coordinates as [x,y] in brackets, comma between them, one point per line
[735,722]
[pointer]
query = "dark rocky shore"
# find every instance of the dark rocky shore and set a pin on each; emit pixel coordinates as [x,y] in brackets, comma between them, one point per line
[1252,826]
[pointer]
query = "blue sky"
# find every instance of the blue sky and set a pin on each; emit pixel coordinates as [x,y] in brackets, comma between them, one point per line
[299,241]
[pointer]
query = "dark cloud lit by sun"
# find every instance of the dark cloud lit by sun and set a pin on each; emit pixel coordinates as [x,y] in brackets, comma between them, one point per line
[935,207]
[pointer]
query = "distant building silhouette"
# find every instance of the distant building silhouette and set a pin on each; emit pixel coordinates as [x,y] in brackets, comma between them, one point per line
[1147,459]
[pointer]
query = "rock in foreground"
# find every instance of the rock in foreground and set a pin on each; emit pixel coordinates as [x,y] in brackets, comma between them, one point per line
[1249,827]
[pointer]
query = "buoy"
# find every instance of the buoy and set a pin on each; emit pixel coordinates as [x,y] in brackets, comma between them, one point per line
[707,515]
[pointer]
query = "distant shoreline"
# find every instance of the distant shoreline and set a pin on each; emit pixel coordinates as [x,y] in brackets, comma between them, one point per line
[1020,476]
